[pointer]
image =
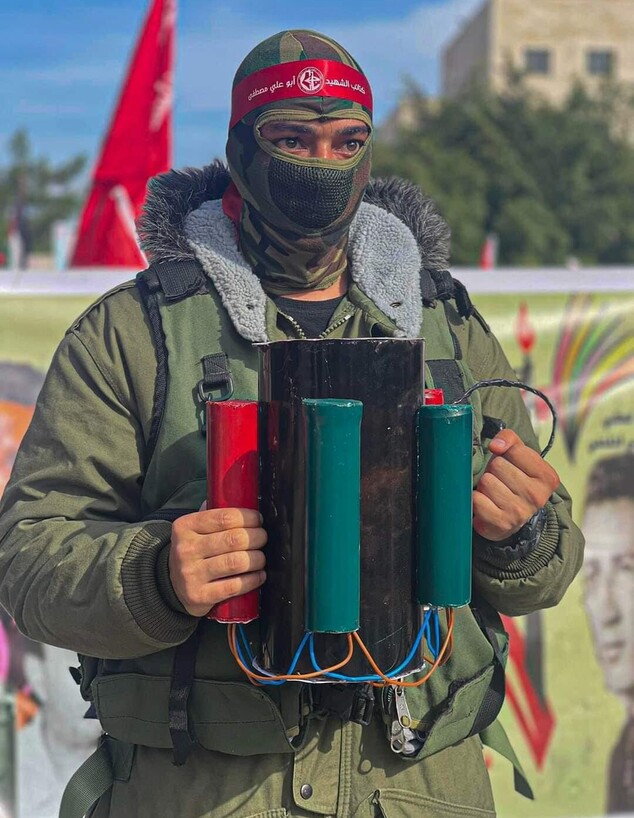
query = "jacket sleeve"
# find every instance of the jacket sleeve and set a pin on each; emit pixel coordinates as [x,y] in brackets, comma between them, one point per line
[78,567]
[540,578]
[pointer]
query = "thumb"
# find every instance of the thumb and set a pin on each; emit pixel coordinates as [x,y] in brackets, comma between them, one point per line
[498,445]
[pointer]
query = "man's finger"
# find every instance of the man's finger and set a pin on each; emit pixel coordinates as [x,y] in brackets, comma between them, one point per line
[532,464]
[222,589]
[503,441]
[509,446]
[233,564]
[515,510]
[199,600]
[488,519]
[216,520]
[492,487]
[534,490]
[233,540]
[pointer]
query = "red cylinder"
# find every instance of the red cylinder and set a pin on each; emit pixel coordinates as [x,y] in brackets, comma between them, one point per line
[232,481]
[434,397]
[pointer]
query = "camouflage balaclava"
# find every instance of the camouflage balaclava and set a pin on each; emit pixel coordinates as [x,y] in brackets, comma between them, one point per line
[295,212]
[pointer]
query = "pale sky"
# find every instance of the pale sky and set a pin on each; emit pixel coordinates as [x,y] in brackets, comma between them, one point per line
[62,61]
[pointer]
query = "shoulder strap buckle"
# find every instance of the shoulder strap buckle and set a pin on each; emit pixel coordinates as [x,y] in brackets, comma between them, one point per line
[206,393]
[216,382]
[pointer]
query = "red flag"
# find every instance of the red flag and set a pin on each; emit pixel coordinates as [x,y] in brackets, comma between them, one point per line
[489,252]
[138,145]
[524,330]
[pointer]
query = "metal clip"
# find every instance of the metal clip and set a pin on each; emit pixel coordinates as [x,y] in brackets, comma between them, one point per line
[403,739]
[206,393]
[225,390]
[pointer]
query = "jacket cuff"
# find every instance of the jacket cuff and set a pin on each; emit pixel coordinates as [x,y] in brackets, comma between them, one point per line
[164,581]
[141,589]
[518,560]
[519,545]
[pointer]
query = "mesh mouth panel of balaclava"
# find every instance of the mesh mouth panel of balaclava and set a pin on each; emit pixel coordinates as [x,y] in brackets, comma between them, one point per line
[311,197]
[296,212]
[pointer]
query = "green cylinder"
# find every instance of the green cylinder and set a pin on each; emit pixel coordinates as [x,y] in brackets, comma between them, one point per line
[333,477]
[444,505]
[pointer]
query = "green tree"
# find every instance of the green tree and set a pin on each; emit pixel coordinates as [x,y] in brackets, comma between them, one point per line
[550,181]
[47,191]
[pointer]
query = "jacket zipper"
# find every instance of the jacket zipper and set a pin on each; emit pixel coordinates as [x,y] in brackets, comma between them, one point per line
[300,332]
[337,324]
[302,335]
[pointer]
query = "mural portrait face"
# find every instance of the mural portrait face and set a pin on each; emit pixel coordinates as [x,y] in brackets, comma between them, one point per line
[608,570]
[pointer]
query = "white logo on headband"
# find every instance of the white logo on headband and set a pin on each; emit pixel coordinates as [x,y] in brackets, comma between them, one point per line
[310,80]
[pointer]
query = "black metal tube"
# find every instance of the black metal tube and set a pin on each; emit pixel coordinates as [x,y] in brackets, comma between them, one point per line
[387,376]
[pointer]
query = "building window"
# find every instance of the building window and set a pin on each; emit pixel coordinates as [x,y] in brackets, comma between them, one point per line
[600,63]
[537,61]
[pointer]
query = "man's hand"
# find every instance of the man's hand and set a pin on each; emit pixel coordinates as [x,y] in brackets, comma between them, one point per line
[215,555]
[517,483]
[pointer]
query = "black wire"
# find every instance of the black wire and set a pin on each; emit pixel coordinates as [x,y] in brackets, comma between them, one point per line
[518,385]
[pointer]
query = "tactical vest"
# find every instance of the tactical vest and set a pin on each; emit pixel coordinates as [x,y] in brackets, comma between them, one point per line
[199,354]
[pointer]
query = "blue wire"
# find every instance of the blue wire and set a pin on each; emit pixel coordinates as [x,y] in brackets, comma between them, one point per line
[374,677]
[293,664]
[310,638]
[434,643]
[412,652]
[429,642]
[245,641]
[332,674]
[274,682]
[298,653]
[242,659]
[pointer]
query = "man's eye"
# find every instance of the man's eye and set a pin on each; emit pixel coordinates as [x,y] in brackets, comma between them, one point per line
[354,145]
[288,142]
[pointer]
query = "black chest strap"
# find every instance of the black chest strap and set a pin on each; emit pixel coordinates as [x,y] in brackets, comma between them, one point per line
[176,280]
[183,672]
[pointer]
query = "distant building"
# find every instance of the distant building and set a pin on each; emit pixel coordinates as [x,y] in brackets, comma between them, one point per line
[554,43]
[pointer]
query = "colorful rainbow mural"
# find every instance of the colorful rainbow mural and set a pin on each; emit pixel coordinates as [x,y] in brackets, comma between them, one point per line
[595,355]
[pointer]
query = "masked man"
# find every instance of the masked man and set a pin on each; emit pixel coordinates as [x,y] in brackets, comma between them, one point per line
[104,549]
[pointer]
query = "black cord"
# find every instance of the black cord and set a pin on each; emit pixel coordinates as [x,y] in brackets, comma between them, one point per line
[518,385]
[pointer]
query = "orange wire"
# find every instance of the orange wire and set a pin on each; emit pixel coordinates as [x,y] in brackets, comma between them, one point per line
[298,677]
[445,658]
[256,678]
[418,682]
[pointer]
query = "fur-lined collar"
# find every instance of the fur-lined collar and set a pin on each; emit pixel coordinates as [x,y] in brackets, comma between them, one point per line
[171,196]
[396,231]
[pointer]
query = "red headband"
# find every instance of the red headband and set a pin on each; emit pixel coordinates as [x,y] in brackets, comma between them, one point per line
[310,78]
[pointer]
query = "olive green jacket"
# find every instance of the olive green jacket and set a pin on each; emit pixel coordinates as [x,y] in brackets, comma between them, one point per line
[78,566]
[81,568]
